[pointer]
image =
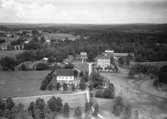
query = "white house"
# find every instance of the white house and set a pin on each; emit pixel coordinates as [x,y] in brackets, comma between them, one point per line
[65,75]
[103,62]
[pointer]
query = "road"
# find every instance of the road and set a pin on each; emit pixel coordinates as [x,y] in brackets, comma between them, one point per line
[149,105]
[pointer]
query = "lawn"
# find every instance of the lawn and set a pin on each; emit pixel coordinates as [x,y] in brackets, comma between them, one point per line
[23,83]
[10,53]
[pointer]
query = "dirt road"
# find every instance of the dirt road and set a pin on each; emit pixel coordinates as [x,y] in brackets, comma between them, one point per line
[149,105]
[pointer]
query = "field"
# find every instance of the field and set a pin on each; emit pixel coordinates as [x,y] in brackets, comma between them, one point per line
[16,84]
[60,36]
[24,87]
[10,53]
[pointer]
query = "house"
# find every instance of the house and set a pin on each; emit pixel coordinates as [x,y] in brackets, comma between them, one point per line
[83,56]
[64,76]
[103,62]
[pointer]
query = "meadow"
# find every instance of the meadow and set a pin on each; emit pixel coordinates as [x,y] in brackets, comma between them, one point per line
[10,53]
[22,83]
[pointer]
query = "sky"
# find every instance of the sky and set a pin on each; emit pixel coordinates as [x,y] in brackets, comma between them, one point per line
[83,11]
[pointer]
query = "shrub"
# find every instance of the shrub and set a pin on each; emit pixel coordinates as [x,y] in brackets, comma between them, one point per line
[77,113]
[8,63]
[127,112]
[99,94]
[108,93]
[96,80]
[42,66]
[96,109]
[66,110]
[118,106]
[65,87]
[82,85]
[9,103]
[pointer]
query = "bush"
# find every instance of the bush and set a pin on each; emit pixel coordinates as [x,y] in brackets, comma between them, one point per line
[82,85]
[108,93]
[118,106]
[42,66]
[8,63]
[96,80]
[65,87]
[66,110]
[99,94]
[77,113]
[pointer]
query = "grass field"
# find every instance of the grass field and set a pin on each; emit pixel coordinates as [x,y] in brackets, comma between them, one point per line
[24,86]
[23,83]
[10,53]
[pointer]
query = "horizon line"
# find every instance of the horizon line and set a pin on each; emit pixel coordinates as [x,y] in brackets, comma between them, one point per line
[26,23]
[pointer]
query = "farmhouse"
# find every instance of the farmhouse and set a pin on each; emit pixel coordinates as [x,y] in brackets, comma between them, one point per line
[103,62]
[64,76]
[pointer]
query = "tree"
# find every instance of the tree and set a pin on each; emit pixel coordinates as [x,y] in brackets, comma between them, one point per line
[55,105]
[77,113]
[2,104]
[8,63]
[59,105]
[75,73]
[87,107]
[82,85]
[96,109]
[52,104]
[121,61]
[118,106]
[96,80]
[65,87]
[9,103]
[162,74]
[40,103]
[58,86]
[42,66]
[127,112]
[31,109]
[66,110]
[46,81]
[108,93]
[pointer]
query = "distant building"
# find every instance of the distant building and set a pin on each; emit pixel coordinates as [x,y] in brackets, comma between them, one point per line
[109,52]
[83,56]
[103,62]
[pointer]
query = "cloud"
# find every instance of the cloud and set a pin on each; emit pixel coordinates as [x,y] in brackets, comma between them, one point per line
[82,11]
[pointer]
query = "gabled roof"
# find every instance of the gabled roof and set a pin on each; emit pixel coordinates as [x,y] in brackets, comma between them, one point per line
[64,72]
[103,57]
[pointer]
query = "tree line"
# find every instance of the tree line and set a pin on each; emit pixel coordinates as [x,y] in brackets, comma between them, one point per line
[39,109]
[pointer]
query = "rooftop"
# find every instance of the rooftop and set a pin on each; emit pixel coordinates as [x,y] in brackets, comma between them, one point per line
[103,57]
[121,54]
[64,72]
